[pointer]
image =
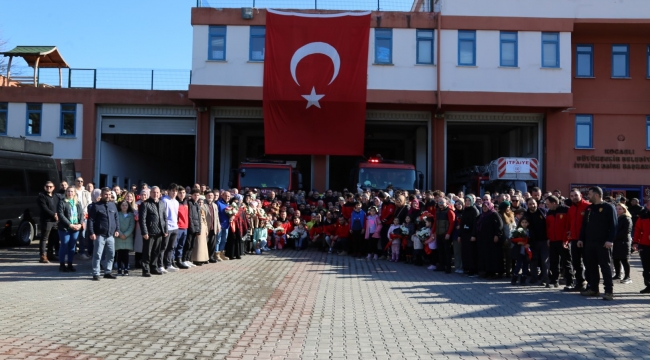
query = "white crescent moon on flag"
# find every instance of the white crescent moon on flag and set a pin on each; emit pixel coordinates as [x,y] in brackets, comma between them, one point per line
[316,48]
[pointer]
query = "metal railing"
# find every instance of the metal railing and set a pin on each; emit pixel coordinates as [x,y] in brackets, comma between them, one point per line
[134,79]
[378,5]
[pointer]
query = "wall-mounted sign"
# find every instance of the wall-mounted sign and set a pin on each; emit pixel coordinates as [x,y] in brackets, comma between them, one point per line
[616,159]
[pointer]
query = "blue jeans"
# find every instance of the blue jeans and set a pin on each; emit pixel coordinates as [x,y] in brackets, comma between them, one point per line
[99,244]
[68,243]
[222,236]
[181,237]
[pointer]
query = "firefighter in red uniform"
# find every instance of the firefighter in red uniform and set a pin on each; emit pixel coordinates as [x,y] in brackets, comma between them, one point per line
[576,214]
[642,243]
[557,227]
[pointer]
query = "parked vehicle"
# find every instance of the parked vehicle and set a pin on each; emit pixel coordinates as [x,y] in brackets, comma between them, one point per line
[378,173]
[266,175]
[25,167]
[499,176]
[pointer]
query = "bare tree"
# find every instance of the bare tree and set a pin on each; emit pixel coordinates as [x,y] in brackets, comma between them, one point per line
[3,60]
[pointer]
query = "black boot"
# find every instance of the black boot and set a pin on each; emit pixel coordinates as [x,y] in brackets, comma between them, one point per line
[138,260]
[514,280]
[522,280]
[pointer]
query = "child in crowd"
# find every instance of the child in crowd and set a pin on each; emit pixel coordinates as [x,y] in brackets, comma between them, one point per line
[279,236]
[521,252]
[260,235]
[408,251]
[396,242]
[299,234]
[393,236]
[357,223]
[373,228]
[430,244]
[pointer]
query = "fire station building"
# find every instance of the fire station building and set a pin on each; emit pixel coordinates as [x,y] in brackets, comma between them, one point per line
[564,82]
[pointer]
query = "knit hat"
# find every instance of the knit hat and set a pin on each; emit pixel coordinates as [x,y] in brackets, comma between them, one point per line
[504,205]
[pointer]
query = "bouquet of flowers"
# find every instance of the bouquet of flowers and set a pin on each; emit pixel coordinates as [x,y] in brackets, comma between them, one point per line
[423,233]
[405,235]
[520,236]
[231,211]
[279,231]
[294,234]
[423,216]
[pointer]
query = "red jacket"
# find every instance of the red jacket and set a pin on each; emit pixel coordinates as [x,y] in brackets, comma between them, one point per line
[557,224]
[347,209]
[387,213]
[642,228]
[342,231]
[329,229]
[576,214]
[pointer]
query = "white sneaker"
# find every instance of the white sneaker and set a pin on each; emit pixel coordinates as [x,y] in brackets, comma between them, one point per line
[162,270]
[171,268]
[190,264]
[431,267]
[85,257]
[459,271]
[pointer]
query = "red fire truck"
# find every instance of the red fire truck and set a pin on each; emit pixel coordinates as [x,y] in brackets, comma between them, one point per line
[378,173]
[266,175]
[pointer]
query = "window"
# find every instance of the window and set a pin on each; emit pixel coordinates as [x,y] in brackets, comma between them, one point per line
[258,34]
[508,49]
[36,179]
[3,118]
[584,131]
[585,61]
[620,61]
[425,47]
[383,46]
[34,119]
[466,47]
[217,45]
[68,119]
[551,50]
[647,133]
[12,182]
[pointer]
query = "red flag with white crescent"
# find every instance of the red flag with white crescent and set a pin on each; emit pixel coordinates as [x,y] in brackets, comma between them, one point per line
[315,77]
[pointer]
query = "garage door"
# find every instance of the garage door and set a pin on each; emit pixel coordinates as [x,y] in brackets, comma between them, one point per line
[148,125]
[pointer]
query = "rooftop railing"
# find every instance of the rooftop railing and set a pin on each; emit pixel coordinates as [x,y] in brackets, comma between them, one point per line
[135,79]
[378,5]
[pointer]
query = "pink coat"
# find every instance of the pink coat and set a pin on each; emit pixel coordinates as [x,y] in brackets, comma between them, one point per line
[376,235]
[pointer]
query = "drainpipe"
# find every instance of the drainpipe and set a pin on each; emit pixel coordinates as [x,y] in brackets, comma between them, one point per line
[438,72]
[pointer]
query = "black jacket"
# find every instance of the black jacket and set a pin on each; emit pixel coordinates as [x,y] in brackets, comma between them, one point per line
[599,225]
[64,210]
[536,225]
[153,217]
[490,226]
[193,217]
[47,205]
[102,219]
[623,242]
[468,222]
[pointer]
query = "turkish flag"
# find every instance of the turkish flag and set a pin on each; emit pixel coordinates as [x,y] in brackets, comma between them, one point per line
[315,74]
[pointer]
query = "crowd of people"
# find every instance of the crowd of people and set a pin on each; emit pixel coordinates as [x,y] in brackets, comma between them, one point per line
[531,238]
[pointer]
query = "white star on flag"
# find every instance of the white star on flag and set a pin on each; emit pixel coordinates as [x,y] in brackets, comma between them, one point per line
[312,99]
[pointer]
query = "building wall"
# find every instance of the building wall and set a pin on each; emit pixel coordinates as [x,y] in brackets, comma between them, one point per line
[489,76]
[579,9]
[619,108]
[237,70]
[64,147]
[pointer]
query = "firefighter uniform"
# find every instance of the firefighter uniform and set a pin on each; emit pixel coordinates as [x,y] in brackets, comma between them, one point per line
[557,226]
[599,227]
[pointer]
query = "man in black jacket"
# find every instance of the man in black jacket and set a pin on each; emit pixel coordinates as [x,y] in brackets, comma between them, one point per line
[538,241]
[597,237]
[103,226]
[47,202]
[193,226]
[153,225]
